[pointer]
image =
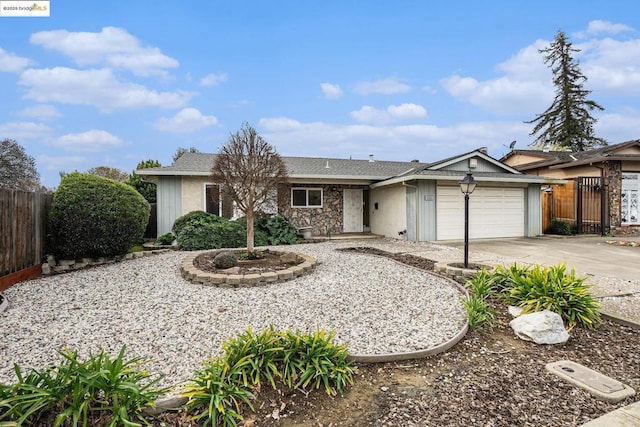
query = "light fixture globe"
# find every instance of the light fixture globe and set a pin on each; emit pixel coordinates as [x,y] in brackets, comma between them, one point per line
[468,184]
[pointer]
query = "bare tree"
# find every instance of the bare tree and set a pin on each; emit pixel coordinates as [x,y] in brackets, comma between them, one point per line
[109,172]
[17,168]
[250,171]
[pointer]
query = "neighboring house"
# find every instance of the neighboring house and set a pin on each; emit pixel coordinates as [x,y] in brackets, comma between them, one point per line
[412,200]
[613,169]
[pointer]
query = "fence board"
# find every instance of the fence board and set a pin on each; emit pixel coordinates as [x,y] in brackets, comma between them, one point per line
[23,219]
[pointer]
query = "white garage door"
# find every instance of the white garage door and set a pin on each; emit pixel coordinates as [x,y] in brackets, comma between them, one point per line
[493,212]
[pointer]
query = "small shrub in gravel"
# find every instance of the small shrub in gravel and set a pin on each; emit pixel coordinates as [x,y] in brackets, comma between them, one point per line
[562,228]
[225,259]
[92,216]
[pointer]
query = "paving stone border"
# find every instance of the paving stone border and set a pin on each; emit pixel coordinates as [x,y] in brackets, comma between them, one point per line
[55,266]
[229,280]
[459,274]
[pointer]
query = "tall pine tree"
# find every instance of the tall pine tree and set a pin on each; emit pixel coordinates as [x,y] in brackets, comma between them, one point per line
[567,123]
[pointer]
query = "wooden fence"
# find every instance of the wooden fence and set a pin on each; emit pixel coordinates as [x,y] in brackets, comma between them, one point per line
[582,202]
[23,222]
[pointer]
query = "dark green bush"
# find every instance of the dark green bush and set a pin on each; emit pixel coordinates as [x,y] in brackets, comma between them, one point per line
[278,229]
[194,218]
[95,216]
[222,234]
[560,227]
[165,239]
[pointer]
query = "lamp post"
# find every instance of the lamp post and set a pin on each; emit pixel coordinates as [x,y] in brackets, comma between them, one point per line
[467,185]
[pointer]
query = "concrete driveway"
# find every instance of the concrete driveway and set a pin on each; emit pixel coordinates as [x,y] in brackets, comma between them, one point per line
[588,254]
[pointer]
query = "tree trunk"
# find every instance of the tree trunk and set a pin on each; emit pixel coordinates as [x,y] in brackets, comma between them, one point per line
[249,214]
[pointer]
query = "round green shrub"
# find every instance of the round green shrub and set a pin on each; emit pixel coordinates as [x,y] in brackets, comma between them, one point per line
[194,218]
[225,259]
[221,234]
[165,239]
[93,216]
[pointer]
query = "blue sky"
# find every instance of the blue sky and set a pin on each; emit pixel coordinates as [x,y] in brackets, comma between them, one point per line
[114,83]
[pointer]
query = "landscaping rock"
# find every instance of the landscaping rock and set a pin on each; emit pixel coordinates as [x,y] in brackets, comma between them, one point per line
[542,327]
[515,311]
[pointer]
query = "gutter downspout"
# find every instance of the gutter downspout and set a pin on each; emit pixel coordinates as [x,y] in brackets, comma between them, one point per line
[404,184]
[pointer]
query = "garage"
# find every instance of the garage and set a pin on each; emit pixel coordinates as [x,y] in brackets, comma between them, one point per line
[493,212]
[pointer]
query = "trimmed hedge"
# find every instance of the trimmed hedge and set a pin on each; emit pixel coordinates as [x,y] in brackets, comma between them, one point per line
[93,216]
[200,230]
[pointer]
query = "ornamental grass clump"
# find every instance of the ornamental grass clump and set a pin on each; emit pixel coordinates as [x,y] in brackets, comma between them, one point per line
[293,359]
[553,288]
[479,312]
[534,288]
[100,390]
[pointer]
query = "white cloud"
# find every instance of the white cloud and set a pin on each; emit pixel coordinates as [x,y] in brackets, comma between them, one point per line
[41,111]
[331,91]
[388,86]
[10,63]
[185,121]
[90,141]
[407,111]
[213,79]
[98,88]
[21,131]
[525,87]
[599,26]
[369,114]
[112,47]
[393,142]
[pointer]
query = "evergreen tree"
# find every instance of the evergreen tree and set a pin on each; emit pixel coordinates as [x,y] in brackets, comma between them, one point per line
[567,123]
[147,189]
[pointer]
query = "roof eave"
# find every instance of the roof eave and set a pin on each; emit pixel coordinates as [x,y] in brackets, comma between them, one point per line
[521,178]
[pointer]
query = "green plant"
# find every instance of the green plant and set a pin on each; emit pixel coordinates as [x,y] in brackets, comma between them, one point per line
[79,392]
[225,259]
[220,234]
[312,359]
[481,284]
[194,218]
[278,230]
[214,396]
[479,312]
[554,289]
[95,216]
[256,356]
[504,276]
[560,227]
[165,239]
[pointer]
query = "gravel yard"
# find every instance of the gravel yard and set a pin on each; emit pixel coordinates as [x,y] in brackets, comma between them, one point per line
[375,305]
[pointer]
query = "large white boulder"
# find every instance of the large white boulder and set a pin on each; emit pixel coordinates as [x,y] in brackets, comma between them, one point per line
[542,327]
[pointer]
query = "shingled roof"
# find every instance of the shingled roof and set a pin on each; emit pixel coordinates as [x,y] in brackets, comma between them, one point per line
[562,159]
[199,164]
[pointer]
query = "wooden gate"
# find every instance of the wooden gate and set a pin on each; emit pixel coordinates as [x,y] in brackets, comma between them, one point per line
[582,202]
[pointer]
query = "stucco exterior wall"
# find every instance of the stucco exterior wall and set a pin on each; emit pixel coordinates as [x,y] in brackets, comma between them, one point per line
[390,218]
[193,193]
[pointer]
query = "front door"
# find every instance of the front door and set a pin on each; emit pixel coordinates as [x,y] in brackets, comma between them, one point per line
[352,207]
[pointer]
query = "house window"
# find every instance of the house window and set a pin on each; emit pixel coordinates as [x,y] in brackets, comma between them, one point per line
[306,197]
[629,198]
[217,202]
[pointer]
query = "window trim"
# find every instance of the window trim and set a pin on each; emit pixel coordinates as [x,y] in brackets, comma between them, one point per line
[307,206]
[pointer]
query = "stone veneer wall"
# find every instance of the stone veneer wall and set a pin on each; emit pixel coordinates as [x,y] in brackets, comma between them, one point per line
[613,173]
[323,221]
